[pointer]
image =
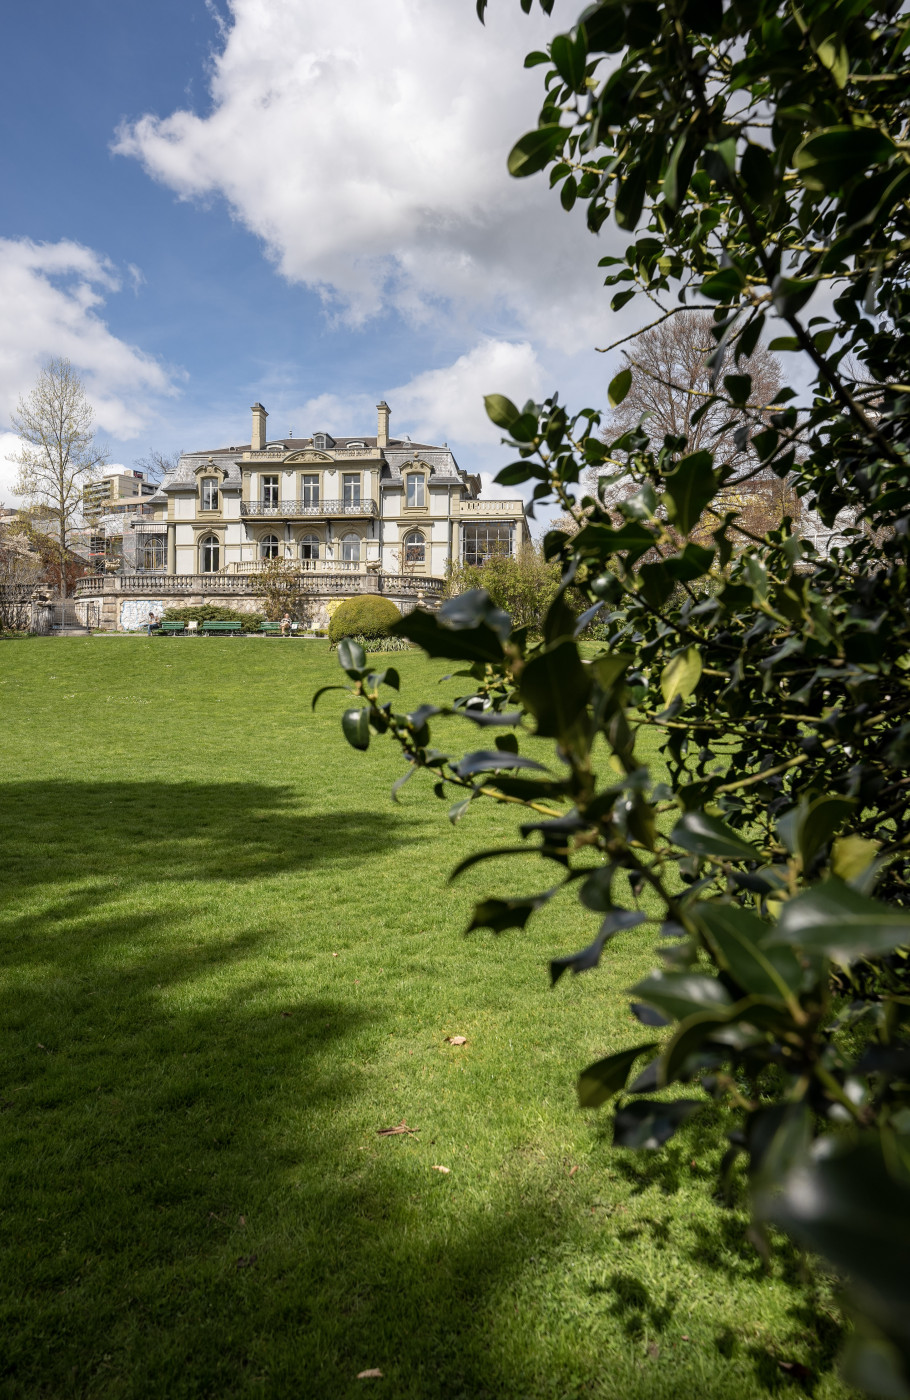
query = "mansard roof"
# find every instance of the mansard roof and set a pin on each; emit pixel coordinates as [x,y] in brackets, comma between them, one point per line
[395,458]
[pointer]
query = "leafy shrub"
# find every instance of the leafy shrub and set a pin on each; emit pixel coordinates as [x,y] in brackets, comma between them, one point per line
[210,612]
[366,617]
[382,643]
[523,584]
[769,848]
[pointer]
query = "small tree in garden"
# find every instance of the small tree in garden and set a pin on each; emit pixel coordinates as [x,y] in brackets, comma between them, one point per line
[280,583]
[756,158]
[524,584]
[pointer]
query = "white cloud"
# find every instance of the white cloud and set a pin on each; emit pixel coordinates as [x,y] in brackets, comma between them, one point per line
[365,145]
[52,294]
[448,402]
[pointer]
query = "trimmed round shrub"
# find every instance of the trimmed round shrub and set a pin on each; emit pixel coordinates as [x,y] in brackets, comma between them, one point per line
[368,617]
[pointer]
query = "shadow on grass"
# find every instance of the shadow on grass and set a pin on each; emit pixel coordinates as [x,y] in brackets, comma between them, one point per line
[58,831]
[194,1199]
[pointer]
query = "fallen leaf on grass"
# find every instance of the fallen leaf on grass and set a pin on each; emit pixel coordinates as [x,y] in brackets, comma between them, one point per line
[374,1375]
[573,1170]
[246,1261]
[401,1127]
[441,1169]
[456,1040]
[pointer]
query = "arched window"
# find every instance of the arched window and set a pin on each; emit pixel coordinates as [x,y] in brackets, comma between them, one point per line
[210,554]
[268,547]
[350,549]
[415,549]
[309,547]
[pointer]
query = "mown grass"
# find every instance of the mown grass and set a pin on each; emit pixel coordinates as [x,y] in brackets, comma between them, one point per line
[227,960]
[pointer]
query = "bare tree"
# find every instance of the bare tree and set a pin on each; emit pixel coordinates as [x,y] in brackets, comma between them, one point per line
[671,381]
[157,464]
[58,454]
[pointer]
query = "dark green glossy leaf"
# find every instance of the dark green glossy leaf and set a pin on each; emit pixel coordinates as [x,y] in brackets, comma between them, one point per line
[834,919]
[352,658]
[708,836]
[689,489]
[605,1078]
[502,914]
[617,921]
[535,150]
[619,387]
[489,760]
[355,725]
[742,943]
[682,994]
[555,688]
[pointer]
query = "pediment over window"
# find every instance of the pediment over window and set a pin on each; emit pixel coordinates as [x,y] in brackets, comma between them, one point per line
[308,455]
[210,469]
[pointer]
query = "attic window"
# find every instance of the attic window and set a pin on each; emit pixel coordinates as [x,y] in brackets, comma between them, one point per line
[280,445]
[323,441]
[356,444]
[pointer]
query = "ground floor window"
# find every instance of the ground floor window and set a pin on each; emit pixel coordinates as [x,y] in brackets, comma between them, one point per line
[415,549]
[210,554]
[309,547]
[480,542]
[350,549]
[268,547]
[151,551]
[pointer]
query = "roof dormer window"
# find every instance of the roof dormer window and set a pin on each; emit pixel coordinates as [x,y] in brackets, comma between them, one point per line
[352,445]
[323,441]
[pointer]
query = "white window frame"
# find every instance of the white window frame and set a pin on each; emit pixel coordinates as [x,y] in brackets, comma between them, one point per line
[309,488]
[209,492]
[352,482]
[309,542]
[270,543]
[350,549]
[209,547]
[416,485]
[270,491]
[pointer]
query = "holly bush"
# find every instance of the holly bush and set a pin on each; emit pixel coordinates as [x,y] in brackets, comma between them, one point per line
[757,159]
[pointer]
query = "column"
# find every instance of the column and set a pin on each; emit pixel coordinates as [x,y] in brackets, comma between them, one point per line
[172,549]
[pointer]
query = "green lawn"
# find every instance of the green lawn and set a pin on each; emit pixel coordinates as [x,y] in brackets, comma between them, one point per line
[227,960]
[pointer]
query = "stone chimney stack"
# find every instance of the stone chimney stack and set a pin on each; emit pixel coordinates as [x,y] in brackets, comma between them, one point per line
[259,433]
[382,431]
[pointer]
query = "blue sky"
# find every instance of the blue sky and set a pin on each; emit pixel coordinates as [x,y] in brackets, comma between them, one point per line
[286,201]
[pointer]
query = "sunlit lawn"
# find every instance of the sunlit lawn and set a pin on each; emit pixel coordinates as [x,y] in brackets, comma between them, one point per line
[227,961]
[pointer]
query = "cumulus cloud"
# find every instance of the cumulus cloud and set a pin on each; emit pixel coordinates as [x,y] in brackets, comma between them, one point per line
[365,145]
[52,295]
[449,401]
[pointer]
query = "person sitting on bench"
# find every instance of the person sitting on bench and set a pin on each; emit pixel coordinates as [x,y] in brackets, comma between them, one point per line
[286,625]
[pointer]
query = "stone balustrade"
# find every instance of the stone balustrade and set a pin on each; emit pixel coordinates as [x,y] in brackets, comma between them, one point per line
[245,585]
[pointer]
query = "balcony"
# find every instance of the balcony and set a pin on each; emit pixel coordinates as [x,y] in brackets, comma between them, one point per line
[303,510]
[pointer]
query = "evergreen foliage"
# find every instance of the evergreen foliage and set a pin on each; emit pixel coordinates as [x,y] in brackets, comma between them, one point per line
[368,616]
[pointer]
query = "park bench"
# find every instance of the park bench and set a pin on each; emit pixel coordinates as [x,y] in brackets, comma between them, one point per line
[270,629]
[171,628]
[224,629]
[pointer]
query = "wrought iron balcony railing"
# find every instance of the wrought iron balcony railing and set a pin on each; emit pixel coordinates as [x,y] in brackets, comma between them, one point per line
[265,510]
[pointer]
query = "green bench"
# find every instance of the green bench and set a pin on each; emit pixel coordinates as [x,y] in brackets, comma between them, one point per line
[270,629]
[223,629]
[171,628]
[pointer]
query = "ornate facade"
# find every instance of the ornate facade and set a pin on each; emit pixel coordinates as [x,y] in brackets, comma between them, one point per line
[351,514]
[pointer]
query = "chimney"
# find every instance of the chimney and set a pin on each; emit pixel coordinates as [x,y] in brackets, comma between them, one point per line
[382,431]
[259,435]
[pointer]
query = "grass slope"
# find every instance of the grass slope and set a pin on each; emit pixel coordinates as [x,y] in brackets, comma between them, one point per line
[227,960]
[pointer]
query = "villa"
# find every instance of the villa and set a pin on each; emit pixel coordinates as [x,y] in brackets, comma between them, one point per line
[351,514]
